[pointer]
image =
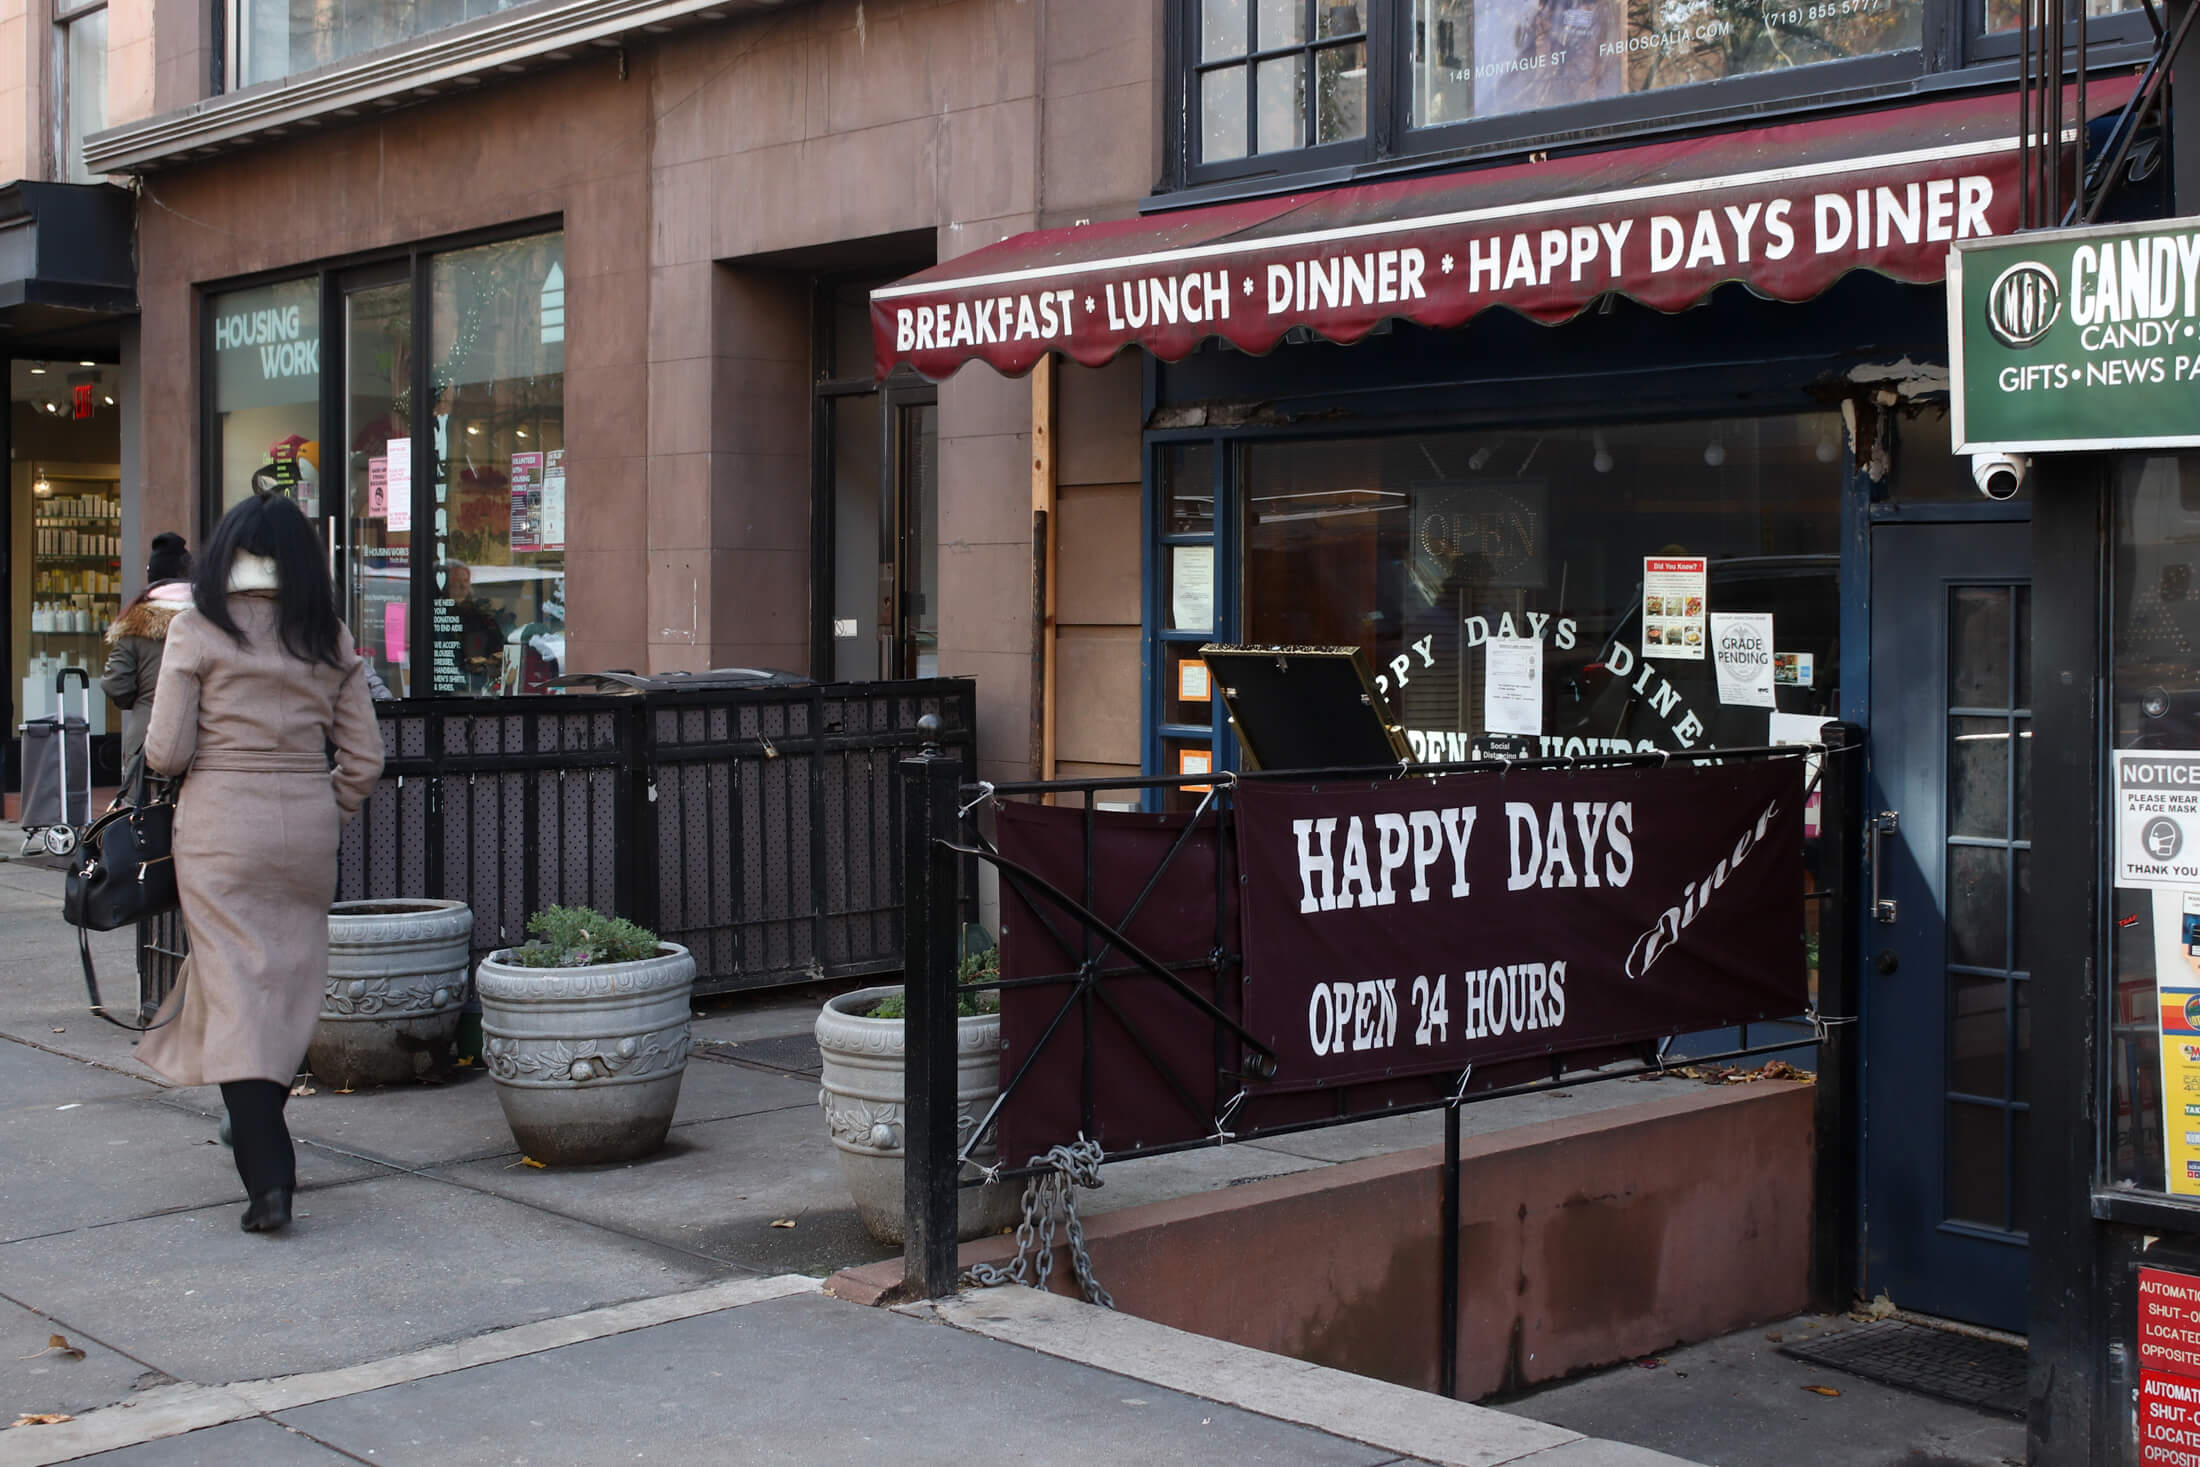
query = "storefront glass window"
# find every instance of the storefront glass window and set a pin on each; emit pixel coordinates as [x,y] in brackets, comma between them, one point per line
[1487,58]
[1423,548]
[267,390]
[2154,1140]
[497,367]
[378,363]
[279,38]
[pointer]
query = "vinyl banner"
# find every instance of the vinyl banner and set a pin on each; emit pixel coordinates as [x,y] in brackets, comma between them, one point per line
[1417,926]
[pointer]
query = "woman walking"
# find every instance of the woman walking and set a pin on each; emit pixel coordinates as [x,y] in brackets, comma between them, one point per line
[134,645]
[258,681]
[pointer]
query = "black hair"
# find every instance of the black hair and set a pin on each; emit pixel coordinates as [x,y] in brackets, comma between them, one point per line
[272,526]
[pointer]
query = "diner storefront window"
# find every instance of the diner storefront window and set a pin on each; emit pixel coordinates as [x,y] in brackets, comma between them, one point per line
[2154,1135]
[1613,557]
[446,529]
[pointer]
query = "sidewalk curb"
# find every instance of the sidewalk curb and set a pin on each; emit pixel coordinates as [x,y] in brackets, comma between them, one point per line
[1376,1413]
[174,1410]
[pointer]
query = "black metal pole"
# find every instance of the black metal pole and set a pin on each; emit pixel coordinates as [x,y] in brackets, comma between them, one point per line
[1448,1311]
[929,781]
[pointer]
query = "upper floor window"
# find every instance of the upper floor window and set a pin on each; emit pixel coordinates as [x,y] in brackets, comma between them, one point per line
[279,38]
[1297,85]
[80,70]
[1277,75]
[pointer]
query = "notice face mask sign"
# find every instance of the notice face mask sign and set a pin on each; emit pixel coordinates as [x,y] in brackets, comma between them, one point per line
[1741,648]
[1414,927]
[2157,818]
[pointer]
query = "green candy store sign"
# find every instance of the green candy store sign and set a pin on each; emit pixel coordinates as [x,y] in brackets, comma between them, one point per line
[2077,339]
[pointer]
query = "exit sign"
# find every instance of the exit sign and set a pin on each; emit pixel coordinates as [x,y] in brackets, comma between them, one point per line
[2068,339]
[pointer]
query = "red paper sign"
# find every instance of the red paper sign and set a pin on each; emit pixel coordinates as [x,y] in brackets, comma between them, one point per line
[2169,1420]
[81,396]
[2169,1323]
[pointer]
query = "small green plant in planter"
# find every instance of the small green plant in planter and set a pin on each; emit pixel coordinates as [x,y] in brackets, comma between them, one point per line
[585,1031]
[578,937]
[978,967]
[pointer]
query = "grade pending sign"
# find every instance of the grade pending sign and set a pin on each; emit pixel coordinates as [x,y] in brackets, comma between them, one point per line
[2070,339]
[1419,926]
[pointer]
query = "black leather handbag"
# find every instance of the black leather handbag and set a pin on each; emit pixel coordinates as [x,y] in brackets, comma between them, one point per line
[124,872]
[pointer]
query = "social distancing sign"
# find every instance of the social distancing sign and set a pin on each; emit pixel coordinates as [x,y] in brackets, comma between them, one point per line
[2157,818]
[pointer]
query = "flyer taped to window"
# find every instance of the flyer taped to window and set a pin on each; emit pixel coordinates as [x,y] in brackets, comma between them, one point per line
[1674,619]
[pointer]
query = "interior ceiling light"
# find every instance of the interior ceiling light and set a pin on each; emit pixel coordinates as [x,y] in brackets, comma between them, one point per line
[110,399]
[474,429]
[1714,453]
[1601,460]
[87,364]
[38,369]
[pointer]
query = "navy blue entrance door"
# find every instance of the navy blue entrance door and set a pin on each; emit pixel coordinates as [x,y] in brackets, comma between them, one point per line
[1947,1029]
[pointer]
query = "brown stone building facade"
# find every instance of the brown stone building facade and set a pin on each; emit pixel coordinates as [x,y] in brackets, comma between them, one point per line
[710,183]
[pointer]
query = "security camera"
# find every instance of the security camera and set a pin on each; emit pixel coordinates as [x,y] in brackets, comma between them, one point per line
[1999,475]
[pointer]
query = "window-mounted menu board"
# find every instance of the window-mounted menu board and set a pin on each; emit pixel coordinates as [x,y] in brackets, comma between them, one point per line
[1304,707]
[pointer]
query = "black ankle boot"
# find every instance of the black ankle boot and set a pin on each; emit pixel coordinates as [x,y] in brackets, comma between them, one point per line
[269,1212]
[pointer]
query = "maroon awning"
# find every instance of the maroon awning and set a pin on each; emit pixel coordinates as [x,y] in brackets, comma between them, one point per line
[1787,210]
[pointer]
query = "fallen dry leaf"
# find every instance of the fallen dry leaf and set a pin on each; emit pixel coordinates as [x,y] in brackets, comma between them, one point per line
[56,1345]
[43,1418]
[1773,1335]
[1649,1362]
[302,1090]
[782,1222]
[464,1061]
[59,1030]
[1822,1390]
[537,1165]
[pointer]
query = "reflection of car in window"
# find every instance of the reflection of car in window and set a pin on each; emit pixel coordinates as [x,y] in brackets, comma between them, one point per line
[1615,693]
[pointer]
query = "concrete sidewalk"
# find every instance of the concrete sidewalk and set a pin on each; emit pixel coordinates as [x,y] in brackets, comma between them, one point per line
[438,1300]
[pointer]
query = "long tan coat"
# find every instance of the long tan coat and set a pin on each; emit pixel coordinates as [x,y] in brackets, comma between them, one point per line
[257,826]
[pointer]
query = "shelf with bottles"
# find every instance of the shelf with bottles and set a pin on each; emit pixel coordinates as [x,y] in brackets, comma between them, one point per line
[74,509]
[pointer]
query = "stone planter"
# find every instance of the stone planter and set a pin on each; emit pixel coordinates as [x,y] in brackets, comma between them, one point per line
[396,988]
[587,1061]
[860,1088]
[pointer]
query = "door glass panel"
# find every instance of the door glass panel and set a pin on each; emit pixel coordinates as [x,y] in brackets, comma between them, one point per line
[1978,776]
[2024,647]
[920,572]
[377,368]
[857,475]
[1978,1039]
[1977,905]
[1978,647]
[1974,1163]
[1988,631]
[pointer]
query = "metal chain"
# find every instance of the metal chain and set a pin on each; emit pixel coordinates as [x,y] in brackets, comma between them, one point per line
[1045,1195]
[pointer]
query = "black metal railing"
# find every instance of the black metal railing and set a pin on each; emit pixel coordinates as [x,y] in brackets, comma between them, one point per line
[760,828]
[943,838]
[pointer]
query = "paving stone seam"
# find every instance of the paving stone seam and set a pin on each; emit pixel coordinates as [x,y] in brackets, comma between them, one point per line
[326,1445]
[175,1410]
[98,1064]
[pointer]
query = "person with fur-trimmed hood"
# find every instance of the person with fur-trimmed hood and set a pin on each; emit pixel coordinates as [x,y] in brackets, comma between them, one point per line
[135,643]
